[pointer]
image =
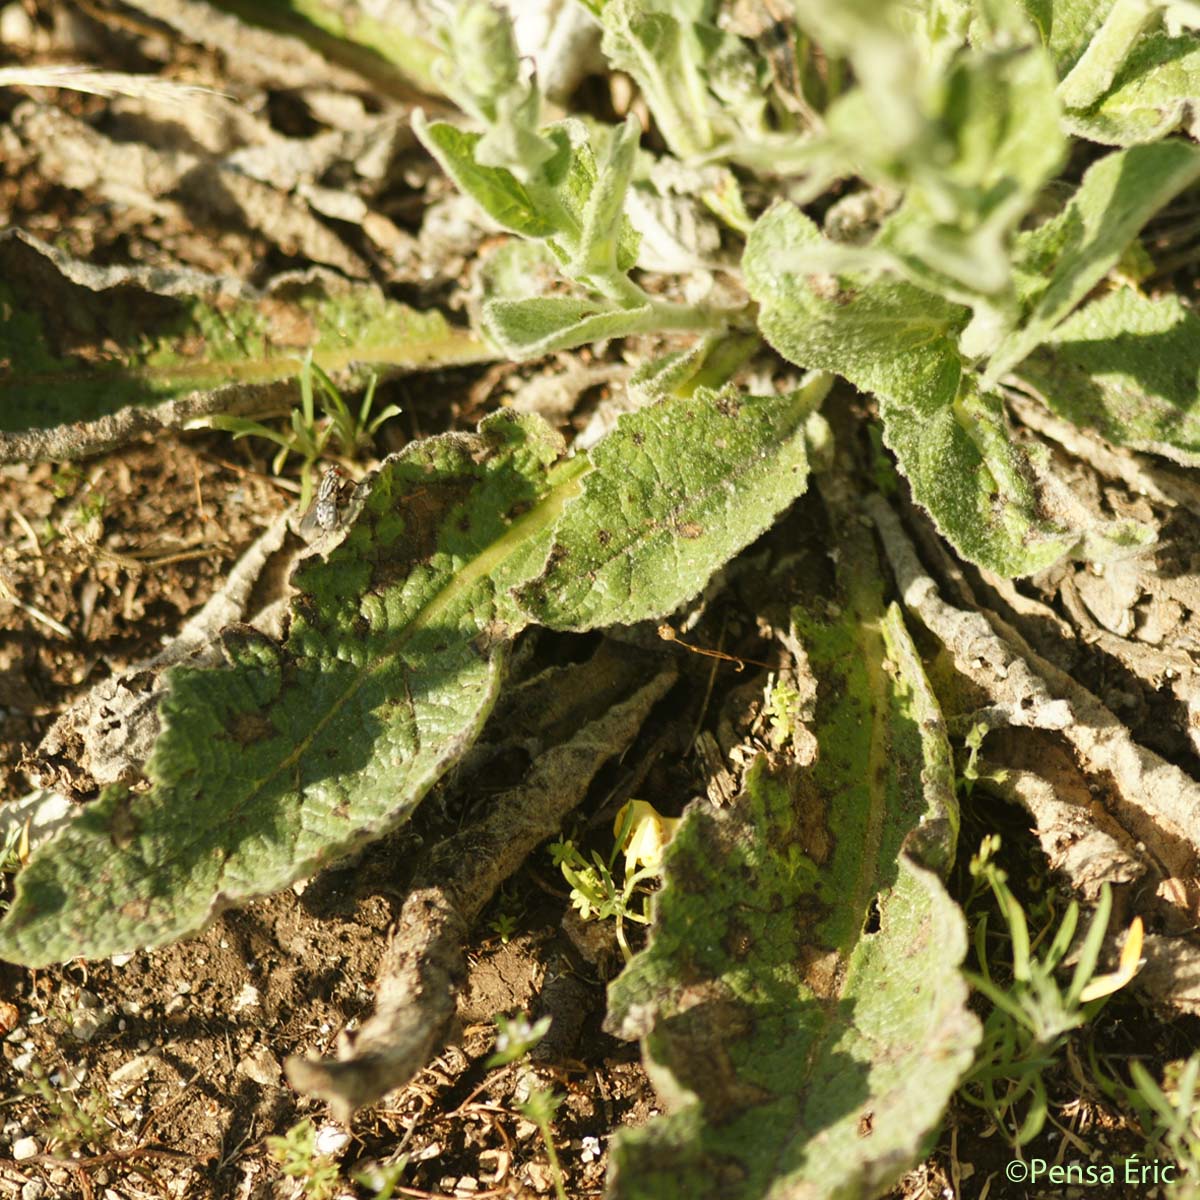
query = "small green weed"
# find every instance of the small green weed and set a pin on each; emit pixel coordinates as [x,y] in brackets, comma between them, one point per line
[75,1121]
[508,915]
[1167,1114]
[503,925]
[1033,1015]
[641,833]
[296,1154]
[781,710]
[540,1108]
[515,1037]
[15,849]
[381,1178]
[309,435]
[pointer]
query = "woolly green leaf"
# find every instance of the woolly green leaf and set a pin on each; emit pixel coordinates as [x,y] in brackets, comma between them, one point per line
[524,324]
[604,222]
[899,342]
[661,52]
[1152,95]
[678,489]
[1128,367]
[496,190]
[1066,26]
[297,752]
[887,336]
[1062,260]
[83,343]
[799,1002]
[997,122]
[1111,44]
[542,325]
[964,467]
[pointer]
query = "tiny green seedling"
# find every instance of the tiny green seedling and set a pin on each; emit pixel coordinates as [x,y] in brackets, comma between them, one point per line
[297,1156]
[540,1108]
[780,709]
[971,774]
[641,834]
[515,1037]
[1033,1015]
[76,1121]
[309,436]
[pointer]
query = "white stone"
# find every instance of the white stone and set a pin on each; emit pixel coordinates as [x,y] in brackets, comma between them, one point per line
[25,1147]
[248,997]
[331,1140]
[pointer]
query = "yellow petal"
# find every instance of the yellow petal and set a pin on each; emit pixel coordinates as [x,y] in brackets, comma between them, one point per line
[648,834]
[1127,968]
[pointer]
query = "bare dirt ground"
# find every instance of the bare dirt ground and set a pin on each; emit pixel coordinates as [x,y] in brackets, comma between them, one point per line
[159,1073]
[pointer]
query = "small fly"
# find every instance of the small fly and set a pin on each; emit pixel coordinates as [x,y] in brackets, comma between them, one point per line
[323,513]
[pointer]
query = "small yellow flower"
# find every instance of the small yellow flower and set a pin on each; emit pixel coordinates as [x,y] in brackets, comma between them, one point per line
[647,833]
[1127,968]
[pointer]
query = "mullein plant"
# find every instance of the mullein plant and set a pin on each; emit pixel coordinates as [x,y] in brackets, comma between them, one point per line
[982,167]
[948,123]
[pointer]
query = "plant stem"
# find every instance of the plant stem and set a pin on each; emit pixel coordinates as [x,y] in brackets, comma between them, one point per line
[555,1169]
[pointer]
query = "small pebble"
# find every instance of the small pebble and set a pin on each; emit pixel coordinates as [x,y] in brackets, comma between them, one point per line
[25,1147]
[260,1065]
[135,1070]
[248,997]
[331,1140]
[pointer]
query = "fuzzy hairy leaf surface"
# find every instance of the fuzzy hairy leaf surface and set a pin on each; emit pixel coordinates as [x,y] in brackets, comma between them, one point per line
[799,1003]
[563,200]
[1153,94]
[1066,26]
[495,189]
[1061,261]
[678,487]
[659,49]
[998,121]
[885,336]
[899,342]
[81,342]
[543,324]
[297,752]
[980,488]
[1128,367]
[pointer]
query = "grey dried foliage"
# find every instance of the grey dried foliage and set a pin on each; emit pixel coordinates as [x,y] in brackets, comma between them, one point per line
[424,964]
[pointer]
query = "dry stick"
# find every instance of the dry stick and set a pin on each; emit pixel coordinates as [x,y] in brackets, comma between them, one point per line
[1069,833]
[1156,802]
[422,966]
[1018,696]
